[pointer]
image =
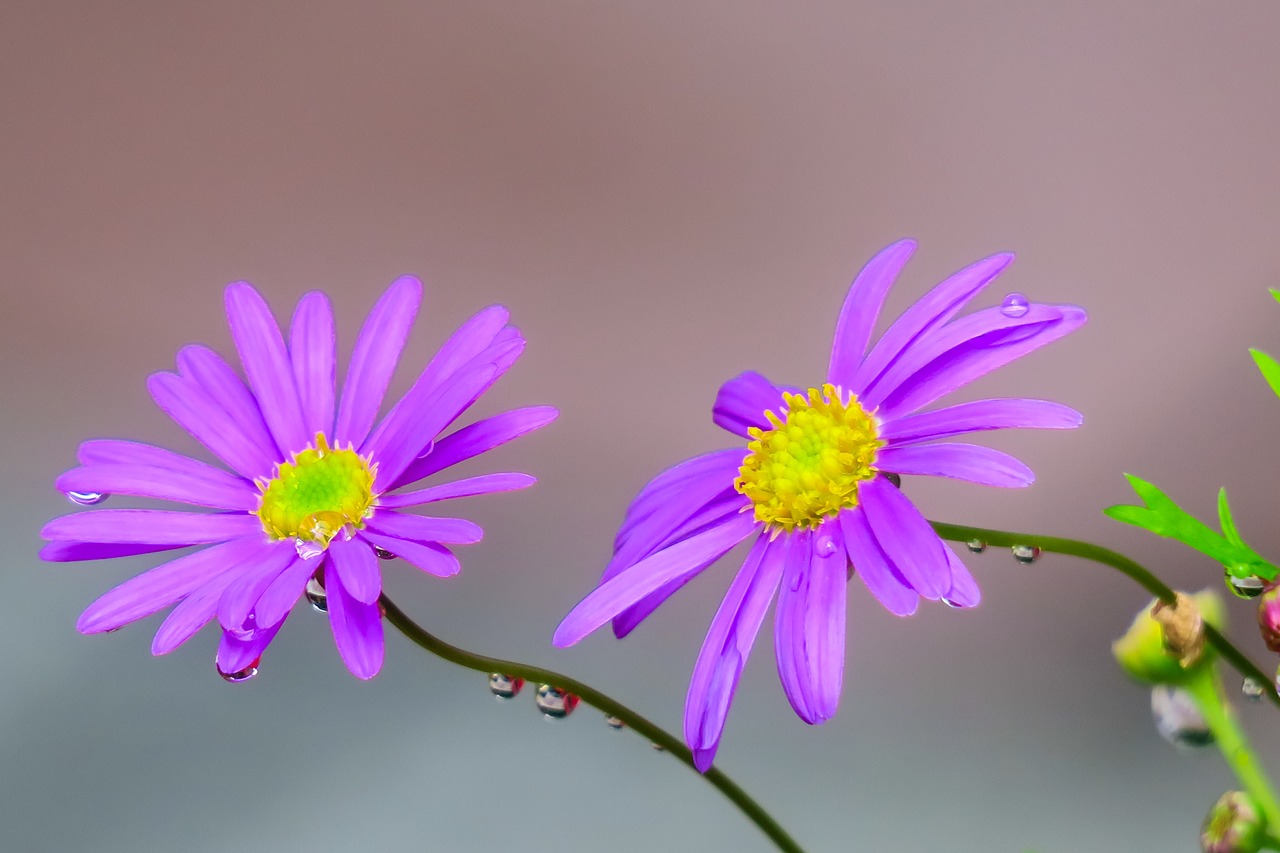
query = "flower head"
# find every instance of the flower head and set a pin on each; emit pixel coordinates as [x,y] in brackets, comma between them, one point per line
[814,487]
[315,492]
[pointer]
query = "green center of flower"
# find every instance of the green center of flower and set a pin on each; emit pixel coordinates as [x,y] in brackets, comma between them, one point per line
[807,468]
[317,494]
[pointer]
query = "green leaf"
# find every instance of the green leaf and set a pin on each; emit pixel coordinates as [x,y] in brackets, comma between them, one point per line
[1225,520]
[1270,369]
[1275,294]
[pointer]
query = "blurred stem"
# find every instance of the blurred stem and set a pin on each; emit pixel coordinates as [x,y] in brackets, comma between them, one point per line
[480,663]
[1135,571]
[1205,687]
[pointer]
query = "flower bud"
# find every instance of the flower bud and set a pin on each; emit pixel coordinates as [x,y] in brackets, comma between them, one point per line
[1235,824]
[1269,617]
[1151,654]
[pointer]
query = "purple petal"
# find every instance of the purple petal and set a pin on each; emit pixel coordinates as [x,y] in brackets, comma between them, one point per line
[242,594]
[71,552]
[193,410]
[917,551]
[312,344]
[374,360]
[476,438]
[356,565]
[618,593]
[238,652]
[266,363]
[970,462]
[1008,413]
[470,487]
[810,627]
[357,629]
[428,556]
[788,622]
[872,565]
[862,307]
[930,312]
[201,485]
[159,587]
[151,527]
[283,592]
[964,590]
[471,338]
[206,370]
[725,650]
[706,476]
[742,402]
[192,613]
[424,528]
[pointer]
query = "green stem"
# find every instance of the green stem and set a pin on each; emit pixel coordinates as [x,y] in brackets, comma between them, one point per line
[1142,576]
[480,663]
[1205,687]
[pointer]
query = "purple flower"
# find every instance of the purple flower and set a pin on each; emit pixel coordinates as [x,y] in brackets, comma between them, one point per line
[815,488]
[314,491]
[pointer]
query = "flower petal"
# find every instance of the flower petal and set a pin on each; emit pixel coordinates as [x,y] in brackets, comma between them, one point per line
[742,402]
[810,627]
[374,359]
[266,364]
[862,308]
[239,652]
[469,487]
[151,527]
[702,476]
[193,410]
[970,462]
[312,345]
[282,593]
[425,528]
[357,629]
[917,551]
[476,438]
[71,552]
[620,592]
[355,563]
[192,613]
[241,595]
[159,587]
[725,650]
[788,624]
[1007,413]
[964,590]
[872,565]
[207,371]
[430,557]
[472,338]
[201,485]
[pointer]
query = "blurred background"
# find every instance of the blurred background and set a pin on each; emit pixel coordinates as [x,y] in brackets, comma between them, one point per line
[664,194]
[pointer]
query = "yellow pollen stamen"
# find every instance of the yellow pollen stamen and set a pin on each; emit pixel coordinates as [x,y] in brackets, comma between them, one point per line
[316,495]
[808,466]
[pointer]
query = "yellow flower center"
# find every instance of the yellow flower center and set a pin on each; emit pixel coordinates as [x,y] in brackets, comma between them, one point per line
[317,494]
[807,468]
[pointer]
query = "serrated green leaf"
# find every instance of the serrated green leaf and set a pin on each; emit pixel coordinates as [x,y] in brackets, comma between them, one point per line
[1270,369]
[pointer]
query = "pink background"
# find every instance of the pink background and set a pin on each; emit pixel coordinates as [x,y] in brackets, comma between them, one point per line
[664,194]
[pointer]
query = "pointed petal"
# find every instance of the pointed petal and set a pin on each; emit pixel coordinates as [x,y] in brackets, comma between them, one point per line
[151,527]
[964,590]
[742,402]
[472,338]
[266,363]
[238,652]
[357,630]
[312,353]
[358,567]
[282,593]
[474,439]
[210,425]
[470,487]
[907,538]
[200,484]
[875,568]
[862,308]
[430,557]
[206,371]
[970,462]
[424,528]
[242,594]
[191,614]
[979,415]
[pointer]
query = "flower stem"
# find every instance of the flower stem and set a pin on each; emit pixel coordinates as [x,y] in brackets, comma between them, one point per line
[1205,687]
[480,663]
[1135,571]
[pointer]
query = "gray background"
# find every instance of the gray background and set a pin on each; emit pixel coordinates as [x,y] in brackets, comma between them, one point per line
[664,194]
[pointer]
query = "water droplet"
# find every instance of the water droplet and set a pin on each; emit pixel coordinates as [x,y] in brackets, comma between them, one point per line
[426,451]
[1252,689]
[657,747]
[824,546]
[316,595]
[1178,719]
[614,723]
[239,675]
[554,703]
[505,686]
[1026,554]
[383,553]
[1015,305]
[1246,587]
[977,546]
[893,478]
[87,498]
[308,549]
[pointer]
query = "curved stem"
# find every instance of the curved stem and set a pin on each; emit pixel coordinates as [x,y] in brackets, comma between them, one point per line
[1135,571]
[480,663]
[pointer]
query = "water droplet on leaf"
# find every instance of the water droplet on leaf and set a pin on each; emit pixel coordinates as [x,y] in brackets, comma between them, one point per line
[554,703]
[1252,689]
[1026,554]
[657,747]
[316,595]
[1246,587]
[1178,719]
[977,546]
[1015,305]
[614,723]
[505,686]
[240,675]
[87,498]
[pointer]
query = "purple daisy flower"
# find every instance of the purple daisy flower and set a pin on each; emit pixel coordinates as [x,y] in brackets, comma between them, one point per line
[815,487]
[315,491]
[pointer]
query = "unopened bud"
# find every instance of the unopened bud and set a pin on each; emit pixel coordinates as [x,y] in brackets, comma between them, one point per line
[1154,654]
[1235,824]
[1182,627]
[1269,617]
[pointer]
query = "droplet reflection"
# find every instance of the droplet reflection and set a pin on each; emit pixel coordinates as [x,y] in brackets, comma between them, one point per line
[1015,305]
[554,703]
[87,498]
[1178,719]
[1026,554]
[505,686]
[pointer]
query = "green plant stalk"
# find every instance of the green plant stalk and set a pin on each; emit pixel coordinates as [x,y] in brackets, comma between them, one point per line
[480,663]
[1135,571]
[1205,687]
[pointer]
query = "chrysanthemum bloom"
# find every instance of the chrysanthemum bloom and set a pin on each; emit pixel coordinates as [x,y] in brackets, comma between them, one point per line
[815,487]
[314,491]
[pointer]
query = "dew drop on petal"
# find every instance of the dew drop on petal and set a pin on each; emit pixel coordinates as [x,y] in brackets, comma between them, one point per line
[1015,305]
[893,478]
[614,723]
[1178,719]
[824,546]
[1026,554]
[307,549]
[977,546]
[1247,587]
[383,553]
[87,498]
[1252,689]
[240,675]
[504,686]
[554,703]
[316,595]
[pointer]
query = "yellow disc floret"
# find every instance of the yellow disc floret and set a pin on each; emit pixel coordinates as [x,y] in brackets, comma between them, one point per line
[807,468]
[317,494]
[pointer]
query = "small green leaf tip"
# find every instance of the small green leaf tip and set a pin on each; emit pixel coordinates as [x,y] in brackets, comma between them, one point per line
[1270,369]
[1275,294]
[1235,824]
[1144,654]
[1163,517]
